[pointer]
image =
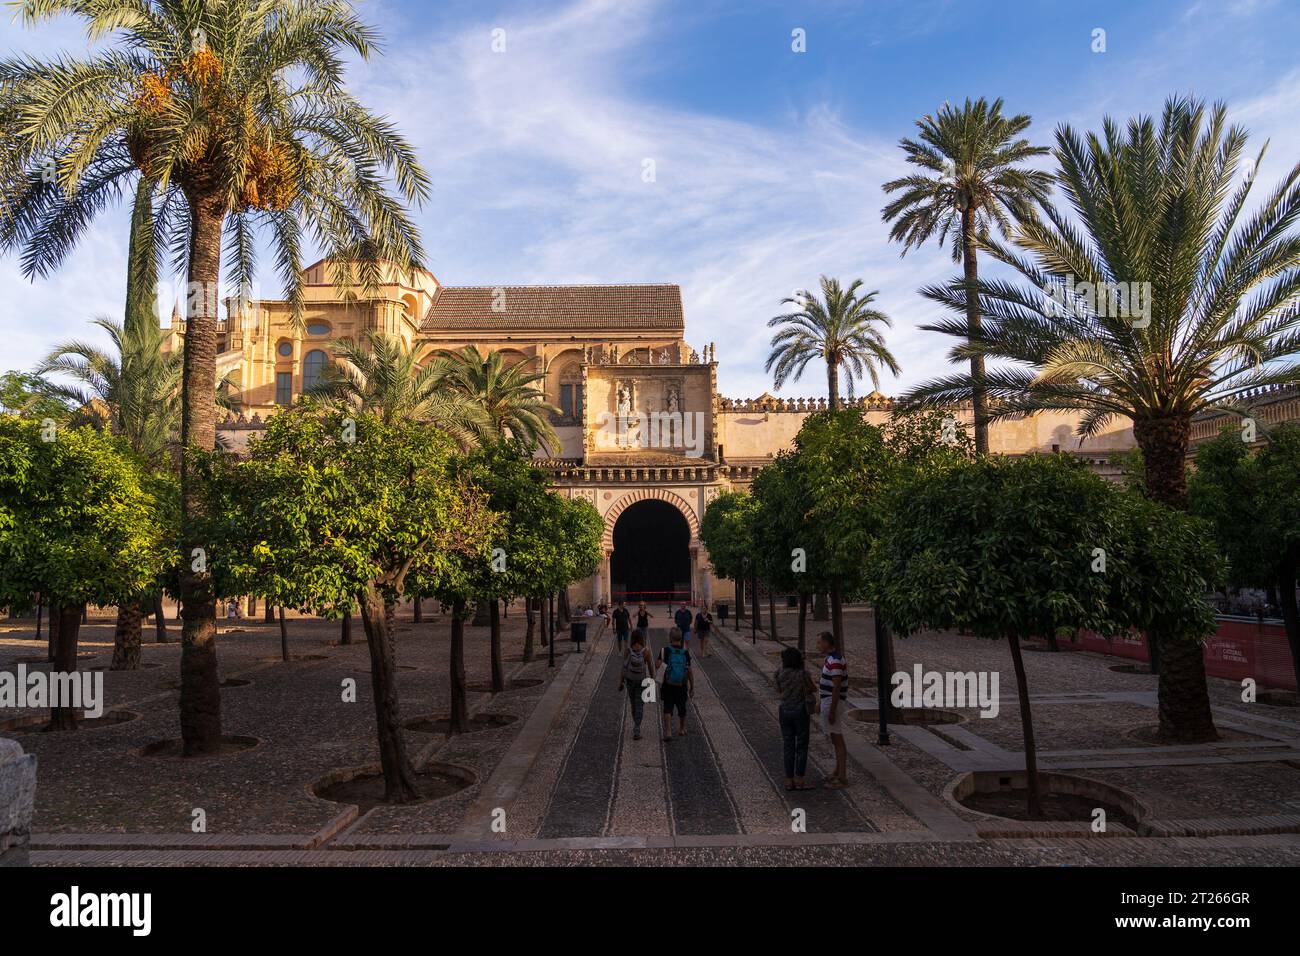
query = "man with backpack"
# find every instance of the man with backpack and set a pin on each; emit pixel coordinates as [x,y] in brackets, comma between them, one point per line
[683,621]
[637,666]
[678,682]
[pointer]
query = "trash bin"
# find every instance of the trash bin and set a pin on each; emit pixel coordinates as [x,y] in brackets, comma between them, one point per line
[723,608]
[578,632]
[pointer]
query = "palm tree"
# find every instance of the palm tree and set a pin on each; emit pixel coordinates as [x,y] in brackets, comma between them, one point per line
[1183,305]
[840,328]
[131,391]
[973,182]
[510,395]
[238,111]
[384,377]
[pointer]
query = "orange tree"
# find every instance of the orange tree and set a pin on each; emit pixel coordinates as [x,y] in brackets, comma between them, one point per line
[328,509]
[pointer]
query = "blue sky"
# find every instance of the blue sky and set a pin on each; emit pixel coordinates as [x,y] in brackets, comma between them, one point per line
[767,162]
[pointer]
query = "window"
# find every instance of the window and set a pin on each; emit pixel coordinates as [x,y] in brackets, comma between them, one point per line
[284,388]
[317,328]
[571,400]
[285,349]
[312,365]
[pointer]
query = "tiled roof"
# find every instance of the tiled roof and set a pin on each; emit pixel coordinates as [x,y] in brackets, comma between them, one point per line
[556,307]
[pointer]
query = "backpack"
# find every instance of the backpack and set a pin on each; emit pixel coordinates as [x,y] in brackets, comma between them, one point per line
[676,661]
[634,667]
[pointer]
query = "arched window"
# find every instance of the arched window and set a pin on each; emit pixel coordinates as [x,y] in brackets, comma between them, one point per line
[313,364]
[571,393]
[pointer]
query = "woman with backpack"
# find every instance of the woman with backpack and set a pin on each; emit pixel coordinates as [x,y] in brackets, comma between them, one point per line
[637,665]
[798,698]
[678,683]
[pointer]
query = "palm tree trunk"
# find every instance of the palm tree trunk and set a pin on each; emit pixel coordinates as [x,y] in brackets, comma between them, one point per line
[126,637]
[65,660]
[1027,729]
[200,690]
[974,325]
[498,674]
[1185,714]
[399,776]
[459,718]
[832,385]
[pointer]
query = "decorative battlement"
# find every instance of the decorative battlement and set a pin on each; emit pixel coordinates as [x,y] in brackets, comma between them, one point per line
[770,403]
[1273,404]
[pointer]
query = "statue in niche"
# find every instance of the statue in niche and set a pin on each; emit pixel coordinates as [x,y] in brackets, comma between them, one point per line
[672,403]
[624,400]
[663,357]
[613,354]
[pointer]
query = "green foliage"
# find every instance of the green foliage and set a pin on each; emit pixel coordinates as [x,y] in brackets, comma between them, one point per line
[22,394]
[1251,501]
[77,517]
[1002,546]
[927,439]
[727,533]
[326,505]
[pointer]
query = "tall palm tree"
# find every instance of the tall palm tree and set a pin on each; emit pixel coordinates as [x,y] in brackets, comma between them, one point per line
[974,182]
[239,112]
[384,377]
[1185,304]
[840,328]
[512,396]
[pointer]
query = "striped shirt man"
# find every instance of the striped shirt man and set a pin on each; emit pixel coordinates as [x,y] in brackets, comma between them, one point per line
[834,667]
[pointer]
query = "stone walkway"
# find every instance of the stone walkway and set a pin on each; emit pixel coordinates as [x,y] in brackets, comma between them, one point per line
[566,783]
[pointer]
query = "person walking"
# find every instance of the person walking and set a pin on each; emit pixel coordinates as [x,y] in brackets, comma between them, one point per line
[643,616]
[798,697]
[683,619]
[622,624]
[833,691]
[703,628]
[678,682]
[637,666]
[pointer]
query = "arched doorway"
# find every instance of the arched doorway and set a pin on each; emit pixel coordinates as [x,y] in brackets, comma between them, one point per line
[651,559]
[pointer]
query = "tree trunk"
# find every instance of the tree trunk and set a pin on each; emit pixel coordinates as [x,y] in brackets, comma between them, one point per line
[498,674]
[417,610]
[159,619]
[126,637]
[832,385]
[1287,602]
[39,609]
[550,627]
[1027,728]
[284,638]
[757,615]
[740,597]
[771,613]
[52,636]
[399,776]
[531,623]
[543,633]
[270,614]
[481,617]
[345,628]
[1185,714]
[974,326]
[563,605]
[821,607]
[803,620]
[459,718]
[65,661]
[390,615]
[837,617]
[200,690]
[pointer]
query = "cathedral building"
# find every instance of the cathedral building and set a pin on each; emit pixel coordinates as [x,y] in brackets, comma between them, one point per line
[643,433]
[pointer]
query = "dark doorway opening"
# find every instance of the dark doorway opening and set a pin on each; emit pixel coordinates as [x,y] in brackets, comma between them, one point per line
[651,559]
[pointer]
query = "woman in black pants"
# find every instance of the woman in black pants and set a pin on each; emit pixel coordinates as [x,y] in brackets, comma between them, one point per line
[795,688]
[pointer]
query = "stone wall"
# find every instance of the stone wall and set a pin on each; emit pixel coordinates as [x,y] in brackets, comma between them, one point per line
[17,798]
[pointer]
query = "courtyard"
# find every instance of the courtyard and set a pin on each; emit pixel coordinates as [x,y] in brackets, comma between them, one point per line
[550,773]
